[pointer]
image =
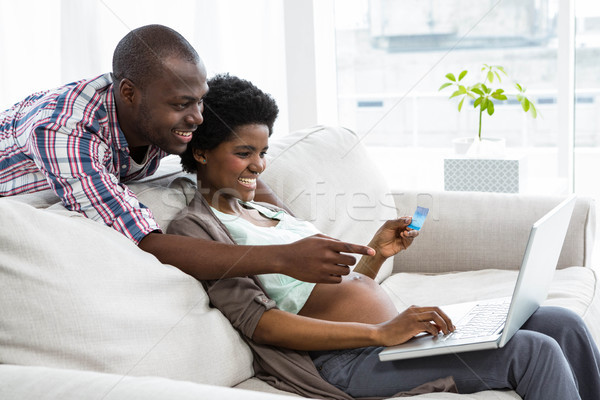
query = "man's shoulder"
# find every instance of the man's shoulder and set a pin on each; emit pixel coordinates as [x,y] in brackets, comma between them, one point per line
[88,91]
[84,88]
[66,98]
[79,103]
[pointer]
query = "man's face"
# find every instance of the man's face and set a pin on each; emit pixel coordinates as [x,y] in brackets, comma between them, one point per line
[170,108]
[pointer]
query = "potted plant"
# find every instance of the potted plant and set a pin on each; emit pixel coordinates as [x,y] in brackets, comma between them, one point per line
[484,98]
[485,168]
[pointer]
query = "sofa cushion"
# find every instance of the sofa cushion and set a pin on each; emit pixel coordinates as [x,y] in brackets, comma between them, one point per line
[573,288]
[40,383]
[474,230]
[335,187]
[77,294]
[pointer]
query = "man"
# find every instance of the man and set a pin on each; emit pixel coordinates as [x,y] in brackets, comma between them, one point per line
[86,139]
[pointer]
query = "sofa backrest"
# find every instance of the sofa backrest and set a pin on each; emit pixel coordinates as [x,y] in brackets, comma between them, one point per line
[473,230]
[77,294]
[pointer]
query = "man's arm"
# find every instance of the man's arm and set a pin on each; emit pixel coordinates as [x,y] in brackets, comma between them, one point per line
[313,259]
[291,331]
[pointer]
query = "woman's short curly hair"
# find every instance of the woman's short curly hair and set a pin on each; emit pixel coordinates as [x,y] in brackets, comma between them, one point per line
[231,102]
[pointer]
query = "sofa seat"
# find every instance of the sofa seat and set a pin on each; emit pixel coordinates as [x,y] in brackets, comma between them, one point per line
[573,288]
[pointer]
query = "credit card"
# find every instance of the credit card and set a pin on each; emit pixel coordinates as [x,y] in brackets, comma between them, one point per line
[419,218]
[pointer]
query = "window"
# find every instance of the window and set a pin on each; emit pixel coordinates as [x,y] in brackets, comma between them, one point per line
[392,56]
[587,91]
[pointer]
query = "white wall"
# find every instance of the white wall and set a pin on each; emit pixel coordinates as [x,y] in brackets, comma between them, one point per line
[47,43]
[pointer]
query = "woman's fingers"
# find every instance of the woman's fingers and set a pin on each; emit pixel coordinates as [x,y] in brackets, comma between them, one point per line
[433,319]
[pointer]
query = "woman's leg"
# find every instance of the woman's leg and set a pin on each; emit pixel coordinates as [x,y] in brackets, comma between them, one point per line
[531,363]
[577,344]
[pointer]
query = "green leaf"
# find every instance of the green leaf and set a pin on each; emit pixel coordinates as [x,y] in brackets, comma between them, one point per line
[484,103]
[478,91]
[461,104]
[451,77]
[456,93]
[477,102]
[501,68]
[490,108]
[462,89]
[499,96]
[445,85]
[525,104]
[519,87]
[490,76]
[533,110]
[462,75]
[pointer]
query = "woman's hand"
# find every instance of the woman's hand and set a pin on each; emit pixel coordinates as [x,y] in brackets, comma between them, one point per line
[411,322]
[393,237]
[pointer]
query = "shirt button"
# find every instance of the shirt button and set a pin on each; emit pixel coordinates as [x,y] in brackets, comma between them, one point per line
[124,167]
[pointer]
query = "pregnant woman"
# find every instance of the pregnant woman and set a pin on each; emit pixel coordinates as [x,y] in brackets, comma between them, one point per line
[323,340]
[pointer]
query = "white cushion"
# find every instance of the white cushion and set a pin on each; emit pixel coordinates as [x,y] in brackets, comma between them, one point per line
[39,383]
[471,230]
[573,288]
[77,294]
[338,188]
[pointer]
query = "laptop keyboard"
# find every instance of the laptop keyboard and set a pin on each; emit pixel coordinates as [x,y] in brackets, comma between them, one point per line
[482,320]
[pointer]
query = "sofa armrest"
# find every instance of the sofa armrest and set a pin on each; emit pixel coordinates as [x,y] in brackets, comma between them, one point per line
[41,383]
[473,230]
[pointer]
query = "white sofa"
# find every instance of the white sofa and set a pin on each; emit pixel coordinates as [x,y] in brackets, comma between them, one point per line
[85,314]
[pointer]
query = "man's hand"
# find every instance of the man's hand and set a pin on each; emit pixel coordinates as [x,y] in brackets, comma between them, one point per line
[319,259]
[411,322]
[393,237]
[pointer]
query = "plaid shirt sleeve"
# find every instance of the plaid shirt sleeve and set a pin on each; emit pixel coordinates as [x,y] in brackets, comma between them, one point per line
[77,161]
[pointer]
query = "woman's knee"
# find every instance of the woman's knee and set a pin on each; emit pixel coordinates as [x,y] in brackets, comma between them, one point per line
[529,343]
[554,320]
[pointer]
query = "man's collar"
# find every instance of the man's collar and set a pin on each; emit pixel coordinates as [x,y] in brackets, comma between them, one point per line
[117,134]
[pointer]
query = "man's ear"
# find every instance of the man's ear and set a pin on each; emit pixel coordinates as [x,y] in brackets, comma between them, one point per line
[127,91]
[199,155]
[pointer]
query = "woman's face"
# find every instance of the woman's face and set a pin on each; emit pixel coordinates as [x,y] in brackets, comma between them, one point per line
[231,169]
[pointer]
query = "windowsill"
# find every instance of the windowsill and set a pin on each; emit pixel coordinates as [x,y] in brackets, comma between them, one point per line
[423,169]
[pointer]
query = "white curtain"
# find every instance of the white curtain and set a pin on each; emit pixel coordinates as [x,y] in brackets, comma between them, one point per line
[47,43]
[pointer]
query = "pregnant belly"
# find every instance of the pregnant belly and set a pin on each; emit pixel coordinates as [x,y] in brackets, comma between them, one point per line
[356,299]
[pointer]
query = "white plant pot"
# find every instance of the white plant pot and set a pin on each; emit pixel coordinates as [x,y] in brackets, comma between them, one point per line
[484,148]
[504,175]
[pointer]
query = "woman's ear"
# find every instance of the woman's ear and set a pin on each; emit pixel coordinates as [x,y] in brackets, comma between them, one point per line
[199,156]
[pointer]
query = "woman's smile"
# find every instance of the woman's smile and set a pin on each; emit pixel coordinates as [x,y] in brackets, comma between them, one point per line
[248,182]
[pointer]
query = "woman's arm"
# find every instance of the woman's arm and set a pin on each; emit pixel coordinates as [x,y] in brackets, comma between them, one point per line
[393,237]
[283,329]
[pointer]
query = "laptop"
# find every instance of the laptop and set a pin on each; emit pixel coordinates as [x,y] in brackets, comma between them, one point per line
[504,315]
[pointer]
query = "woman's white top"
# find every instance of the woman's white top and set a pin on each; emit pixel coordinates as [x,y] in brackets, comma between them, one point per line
[289,293]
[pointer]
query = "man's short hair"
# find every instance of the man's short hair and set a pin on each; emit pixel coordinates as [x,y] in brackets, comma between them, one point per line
[139,55]
[231,102]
